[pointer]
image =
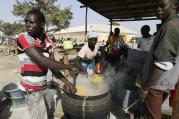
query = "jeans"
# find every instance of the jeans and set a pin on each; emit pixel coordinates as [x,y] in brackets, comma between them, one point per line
[40,103]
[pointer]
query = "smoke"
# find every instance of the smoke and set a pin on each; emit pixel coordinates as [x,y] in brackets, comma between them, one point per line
[124,76]
[112,77]
[90,88]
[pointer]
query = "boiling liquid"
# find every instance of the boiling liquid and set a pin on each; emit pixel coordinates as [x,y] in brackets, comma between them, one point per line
[95,86]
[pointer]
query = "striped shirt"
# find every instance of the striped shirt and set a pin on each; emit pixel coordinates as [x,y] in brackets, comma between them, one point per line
[33,75]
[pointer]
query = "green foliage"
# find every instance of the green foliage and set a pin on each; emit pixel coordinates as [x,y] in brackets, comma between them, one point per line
[11,28]
[18,28]
[1,22]
[55,17]
[7,29]
[20,9]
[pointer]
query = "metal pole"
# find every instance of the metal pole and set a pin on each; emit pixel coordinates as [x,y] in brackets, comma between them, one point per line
[110,25]
[86,16]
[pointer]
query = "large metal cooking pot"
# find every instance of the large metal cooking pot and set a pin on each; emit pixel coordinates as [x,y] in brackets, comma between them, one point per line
[86,107]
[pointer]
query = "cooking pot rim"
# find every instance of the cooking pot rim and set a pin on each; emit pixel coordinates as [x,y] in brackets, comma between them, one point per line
[6,89]
[89,97]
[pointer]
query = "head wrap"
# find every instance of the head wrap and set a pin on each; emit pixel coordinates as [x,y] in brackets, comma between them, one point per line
[92,35]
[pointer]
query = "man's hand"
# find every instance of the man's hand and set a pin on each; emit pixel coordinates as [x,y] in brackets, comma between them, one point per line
[74,72]
[85,72]
[70,88]
[142,95]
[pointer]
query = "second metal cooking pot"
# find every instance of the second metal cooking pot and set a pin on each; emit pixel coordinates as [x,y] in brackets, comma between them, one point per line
[67,45]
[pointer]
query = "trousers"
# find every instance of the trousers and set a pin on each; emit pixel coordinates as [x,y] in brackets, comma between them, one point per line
[153,103]
[175,114]
[172,98]
[40,103]
[155,97]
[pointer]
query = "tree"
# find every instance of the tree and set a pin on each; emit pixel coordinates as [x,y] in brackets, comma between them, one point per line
[7,29]
[56,19]
[1,22]
[17,28]
[11,28]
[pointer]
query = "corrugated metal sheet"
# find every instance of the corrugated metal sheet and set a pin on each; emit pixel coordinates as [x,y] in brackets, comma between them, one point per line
[123,9]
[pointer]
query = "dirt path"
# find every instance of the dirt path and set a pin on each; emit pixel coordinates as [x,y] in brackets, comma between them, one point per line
[9,70]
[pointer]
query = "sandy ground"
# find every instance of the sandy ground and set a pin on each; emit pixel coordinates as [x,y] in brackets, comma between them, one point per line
[9,72]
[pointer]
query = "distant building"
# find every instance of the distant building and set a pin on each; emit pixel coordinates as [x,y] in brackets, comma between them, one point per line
[78,33]
[1,33]
[1,39]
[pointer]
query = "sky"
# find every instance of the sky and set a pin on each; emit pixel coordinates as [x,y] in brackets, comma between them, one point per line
[6,15]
